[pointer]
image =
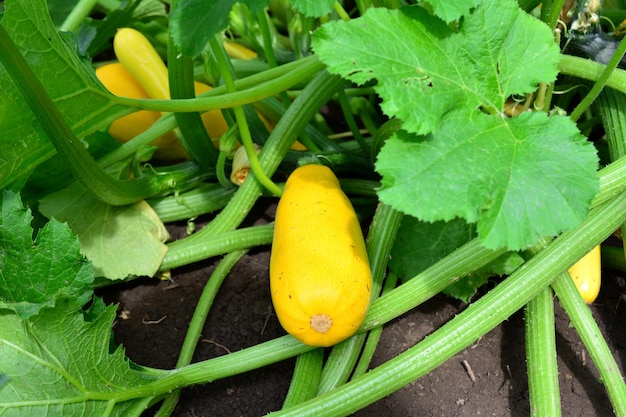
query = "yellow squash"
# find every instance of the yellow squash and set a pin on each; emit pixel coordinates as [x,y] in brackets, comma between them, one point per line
[116,78]
[586,275]
[320,277]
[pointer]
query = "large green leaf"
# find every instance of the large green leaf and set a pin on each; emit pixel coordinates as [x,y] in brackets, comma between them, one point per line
[424,70]
[58,364]
[518,178]
[121,241]
[68,79]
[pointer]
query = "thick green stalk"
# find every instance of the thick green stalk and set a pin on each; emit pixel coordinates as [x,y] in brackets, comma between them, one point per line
[306,377]
[587,328]
[550,12]
[215,245]
[479,318]
[543,373]
[195,138]
[374,335]
[198,319]
[84,168]
[203,199]
[591,71]
[612,108]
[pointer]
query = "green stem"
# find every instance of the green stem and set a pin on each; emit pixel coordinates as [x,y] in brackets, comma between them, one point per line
[203,199]
[80,11]
[543,375]
[592,71]
[306,378]
[584,323]
[341,12]
[274,110]
[195,139]
[550,12]
[215,245]
[197,322]
[464,329]
[250,89]
[84,168]
[242,123]
[600,83]
[374,335]
[349,118]
[612,108]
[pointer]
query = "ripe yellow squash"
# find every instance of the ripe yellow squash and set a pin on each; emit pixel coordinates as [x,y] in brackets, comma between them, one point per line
[586,274]
[320,276]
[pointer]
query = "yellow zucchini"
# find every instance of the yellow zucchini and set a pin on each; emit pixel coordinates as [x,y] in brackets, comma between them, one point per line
[586,275]
[320,277]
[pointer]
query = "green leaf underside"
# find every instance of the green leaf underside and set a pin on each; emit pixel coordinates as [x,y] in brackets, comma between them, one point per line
[194,22]
[450,10]
[418,245]
[69,80]
[35,274]
[313,8]
[58,364]
[518,178]
[417,59]
[121,241]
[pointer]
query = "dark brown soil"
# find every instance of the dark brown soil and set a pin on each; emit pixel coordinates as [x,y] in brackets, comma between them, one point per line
[154,317]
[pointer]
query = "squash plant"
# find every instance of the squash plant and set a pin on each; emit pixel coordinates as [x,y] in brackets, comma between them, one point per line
[425,91]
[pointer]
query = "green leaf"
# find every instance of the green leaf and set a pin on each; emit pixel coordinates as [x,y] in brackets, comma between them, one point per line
[121,241]
[194,22]
[450,10]
[36,274]
[58,364]
[518,178]
[419,245]
[425,71]
[313,8]
[82,100]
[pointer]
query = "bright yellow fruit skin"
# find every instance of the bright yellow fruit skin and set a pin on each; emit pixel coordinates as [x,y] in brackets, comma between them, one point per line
[586,274]
[120,82]
[319,270]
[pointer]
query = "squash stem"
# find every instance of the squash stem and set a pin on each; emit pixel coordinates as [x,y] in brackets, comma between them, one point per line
[195,138]
[543,374]
[215,245]
[306,377]
[587,328]
[197,322]
[242,123]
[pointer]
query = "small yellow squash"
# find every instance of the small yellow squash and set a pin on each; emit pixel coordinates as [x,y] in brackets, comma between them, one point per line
[586,275]
[320,277]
